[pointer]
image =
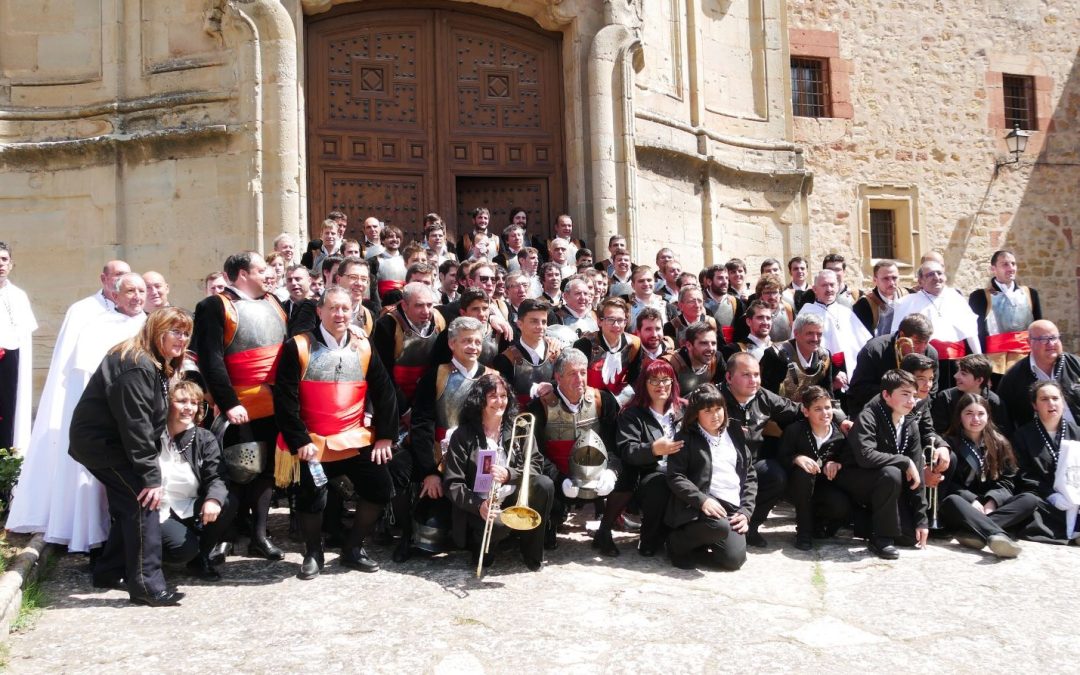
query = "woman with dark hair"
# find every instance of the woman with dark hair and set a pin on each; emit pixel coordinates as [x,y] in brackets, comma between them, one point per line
[810,450]
[1038,445]
[115,431]
[645,438]
[977,497]
[713,485]
[477,455]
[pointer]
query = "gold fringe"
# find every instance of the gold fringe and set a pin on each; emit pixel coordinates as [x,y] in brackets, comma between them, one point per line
[286,469]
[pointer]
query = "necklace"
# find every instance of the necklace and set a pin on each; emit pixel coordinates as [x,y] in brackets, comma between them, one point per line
[1053,444]
[980,456]
[933,304]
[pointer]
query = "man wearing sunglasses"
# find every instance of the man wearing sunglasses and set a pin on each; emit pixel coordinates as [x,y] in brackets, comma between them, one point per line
[1047,361]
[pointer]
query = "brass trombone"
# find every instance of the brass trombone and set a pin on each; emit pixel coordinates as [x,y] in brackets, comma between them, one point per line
[519,516]
[931,492]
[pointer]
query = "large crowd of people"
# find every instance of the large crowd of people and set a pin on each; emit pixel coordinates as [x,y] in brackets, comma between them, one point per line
[380,389]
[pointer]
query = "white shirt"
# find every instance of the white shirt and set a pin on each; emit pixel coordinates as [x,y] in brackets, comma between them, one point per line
[724,484]
[667,423]
[331,342]
[471,374]
[898,428]
[535,355]
[844,332]
[948,312]
[180,486]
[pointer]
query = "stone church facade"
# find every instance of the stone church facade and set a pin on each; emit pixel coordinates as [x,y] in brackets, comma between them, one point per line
[171,134]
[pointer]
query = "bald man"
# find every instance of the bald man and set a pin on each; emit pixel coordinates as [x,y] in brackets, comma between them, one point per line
[1047,360]
[157,291]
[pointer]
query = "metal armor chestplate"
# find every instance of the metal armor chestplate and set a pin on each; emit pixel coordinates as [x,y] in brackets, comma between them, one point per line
[1006,316]
[451,390]
[688,379]
[489,349]
[333,389]
[254,334]
[564,428]
[797,379]
[781,326]
[582,326]
[724,313]
[526,374]
[391,275]
[412,353]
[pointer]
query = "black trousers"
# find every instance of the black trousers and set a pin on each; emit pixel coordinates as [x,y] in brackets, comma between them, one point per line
[816,499]
[876,489]
[772,481]
[133,549]
[541,496]
[182,539]
[958,514]
[9,387]
[653,494]
[371,482]
[727,546]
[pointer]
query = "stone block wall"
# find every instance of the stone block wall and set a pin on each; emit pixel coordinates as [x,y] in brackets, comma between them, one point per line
[927,128]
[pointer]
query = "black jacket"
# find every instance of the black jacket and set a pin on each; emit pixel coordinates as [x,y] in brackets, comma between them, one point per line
[120,417]
[635,432]
[1015,386]
[754,418]
[1036,460]
[204,457]
[943,403]
[797,440]
[689,476]
[460,469]
[877,357]
[964,478]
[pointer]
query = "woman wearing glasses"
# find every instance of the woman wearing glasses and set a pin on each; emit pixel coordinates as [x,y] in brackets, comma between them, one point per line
[645,437]
[1038,446]
[115,433]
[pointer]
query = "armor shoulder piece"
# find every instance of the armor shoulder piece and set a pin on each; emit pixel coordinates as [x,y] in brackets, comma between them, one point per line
[232,319]
[363,350]
[441,376]
[635,346]
[303,351]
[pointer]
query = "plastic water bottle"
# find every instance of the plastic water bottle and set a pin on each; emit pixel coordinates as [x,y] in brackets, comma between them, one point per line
[318,476]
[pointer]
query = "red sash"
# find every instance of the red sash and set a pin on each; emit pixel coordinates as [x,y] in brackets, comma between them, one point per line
[728,332]
[838,360]
[1017,341]
[596,378]
[334,415]
[387,285]
[559,454]
[407,377]
[950,350]
[251,373]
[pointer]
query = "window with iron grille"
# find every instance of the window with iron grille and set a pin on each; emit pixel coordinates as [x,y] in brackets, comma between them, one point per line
[1019,91]
[809,87]
[882,233]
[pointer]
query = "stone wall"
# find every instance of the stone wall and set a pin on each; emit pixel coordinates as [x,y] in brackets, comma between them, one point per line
[926,128]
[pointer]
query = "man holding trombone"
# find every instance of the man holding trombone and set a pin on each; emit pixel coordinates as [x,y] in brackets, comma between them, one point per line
[492,468]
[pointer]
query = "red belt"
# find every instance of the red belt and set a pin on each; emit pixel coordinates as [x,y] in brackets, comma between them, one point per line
[949,350]
[1017,341]
[331,407]
[728,332]
[407,377]
[253,366]
[387,285]
[838,359]
[559,454]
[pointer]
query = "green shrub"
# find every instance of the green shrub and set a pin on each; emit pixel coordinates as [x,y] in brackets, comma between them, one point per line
[10,466]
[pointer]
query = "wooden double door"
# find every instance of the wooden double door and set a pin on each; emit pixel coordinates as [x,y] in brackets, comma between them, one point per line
[427,109]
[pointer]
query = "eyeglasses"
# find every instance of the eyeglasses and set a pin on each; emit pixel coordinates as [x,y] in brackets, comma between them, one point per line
[660,382]
[179,334]
[1047,339]
[352,277]
[485,279]
[614,321]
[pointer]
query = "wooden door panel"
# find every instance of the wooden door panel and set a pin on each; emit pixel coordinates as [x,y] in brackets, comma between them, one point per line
[500,195]
[394,199]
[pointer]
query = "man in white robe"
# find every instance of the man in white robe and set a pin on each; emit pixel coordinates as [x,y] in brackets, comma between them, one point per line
[17,324]
[56,495]
[844,334]
[956,327]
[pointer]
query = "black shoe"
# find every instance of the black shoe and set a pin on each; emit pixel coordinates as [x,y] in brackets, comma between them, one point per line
[312,565]
[108,582]
[883,548]
[264,548]
[220,552]
[754,538]
[551,539]
[646,550]
[683,562]
[604,543]
[162,599]
[356,558]
[201,568]
[534,565]
[804,543]
[403,551]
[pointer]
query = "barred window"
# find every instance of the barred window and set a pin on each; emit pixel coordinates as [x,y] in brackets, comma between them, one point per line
[882,233]
[1019,92]
[809,87]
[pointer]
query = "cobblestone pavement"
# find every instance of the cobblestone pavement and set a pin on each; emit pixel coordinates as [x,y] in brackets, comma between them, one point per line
[837,608]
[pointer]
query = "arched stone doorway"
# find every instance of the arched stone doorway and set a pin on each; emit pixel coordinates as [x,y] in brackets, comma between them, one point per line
[432,108]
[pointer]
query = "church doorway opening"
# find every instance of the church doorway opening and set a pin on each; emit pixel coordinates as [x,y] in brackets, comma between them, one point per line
[433,108]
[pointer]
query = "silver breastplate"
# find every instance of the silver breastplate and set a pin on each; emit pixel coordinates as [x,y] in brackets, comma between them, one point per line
[258,324]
